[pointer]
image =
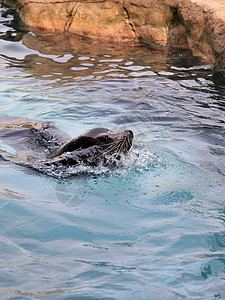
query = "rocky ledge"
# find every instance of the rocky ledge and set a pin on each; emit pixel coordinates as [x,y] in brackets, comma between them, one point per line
[195,24]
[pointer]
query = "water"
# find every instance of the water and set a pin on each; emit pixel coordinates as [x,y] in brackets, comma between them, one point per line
[153,228]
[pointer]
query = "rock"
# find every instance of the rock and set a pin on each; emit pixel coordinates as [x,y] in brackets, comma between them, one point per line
[195,24]
[204,22]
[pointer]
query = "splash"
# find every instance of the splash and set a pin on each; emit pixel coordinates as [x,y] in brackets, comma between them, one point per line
[138,160]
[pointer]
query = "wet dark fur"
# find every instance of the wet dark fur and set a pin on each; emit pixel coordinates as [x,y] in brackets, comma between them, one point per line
[43,144]
[98,144]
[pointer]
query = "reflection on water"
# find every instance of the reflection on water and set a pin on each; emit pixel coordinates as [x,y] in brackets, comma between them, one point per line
[153,228]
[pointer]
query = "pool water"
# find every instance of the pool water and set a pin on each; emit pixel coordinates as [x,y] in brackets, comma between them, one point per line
[153,228]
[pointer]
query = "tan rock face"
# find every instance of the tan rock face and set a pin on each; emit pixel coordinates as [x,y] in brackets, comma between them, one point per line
[149,19]
[102,20]
[195,24]
[95,19]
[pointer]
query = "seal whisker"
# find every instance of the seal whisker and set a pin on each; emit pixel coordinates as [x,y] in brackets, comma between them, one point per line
[122,147]
[128,143]
[113,147]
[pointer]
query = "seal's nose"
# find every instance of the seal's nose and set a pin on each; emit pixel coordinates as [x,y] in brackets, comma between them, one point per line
[129,132]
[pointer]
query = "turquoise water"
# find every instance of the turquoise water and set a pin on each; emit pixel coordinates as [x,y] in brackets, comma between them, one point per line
[151,229]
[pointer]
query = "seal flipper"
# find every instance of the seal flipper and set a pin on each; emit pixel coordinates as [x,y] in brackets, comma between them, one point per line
[80,142]
[88,156]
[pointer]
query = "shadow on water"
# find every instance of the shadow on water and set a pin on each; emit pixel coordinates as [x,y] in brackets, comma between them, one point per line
[73,53]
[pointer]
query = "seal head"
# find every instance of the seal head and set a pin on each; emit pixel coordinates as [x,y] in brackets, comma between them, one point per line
[92,146]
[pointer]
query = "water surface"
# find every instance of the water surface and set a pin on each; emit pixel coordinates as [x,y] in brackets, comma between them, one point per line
[151,229]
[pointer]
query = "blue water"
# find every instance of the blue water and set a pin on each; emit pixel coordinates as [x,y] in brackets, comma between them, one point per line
[151,229]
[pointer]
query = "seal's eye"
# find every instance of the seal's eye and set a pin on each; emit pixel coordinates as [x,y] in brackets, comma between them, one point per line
[104,138]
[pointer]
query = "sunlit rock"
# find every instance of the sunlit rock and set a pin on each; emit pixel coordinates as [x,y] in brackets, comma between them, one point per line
[195,24]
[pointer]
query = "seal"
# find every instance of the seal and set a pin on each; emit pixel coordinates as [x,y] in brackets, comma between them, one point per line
[41,145]
[93,146]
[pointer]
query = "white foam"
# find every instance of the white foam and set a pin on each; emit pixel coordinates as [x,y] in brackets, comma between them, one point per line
[138,160]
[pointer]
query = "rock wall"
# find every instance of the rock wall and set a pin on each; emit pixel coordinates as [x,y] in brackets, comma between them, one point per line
[195,24]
